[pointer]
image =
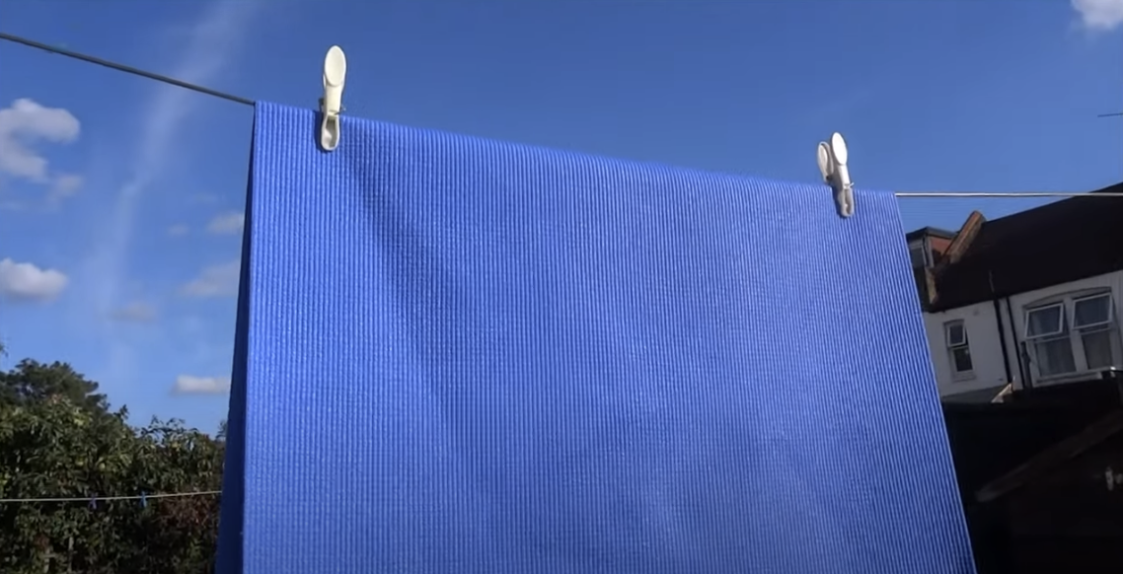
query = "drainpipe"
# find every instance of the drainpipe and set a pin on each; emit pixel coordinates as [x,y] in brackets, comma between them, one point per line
[1001,328]
[1027,362]
[1023,370]
[1002,337]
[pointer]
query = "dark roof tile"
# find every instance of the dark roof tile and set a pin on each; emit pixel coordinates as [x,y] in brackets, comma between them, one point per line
[1056,243]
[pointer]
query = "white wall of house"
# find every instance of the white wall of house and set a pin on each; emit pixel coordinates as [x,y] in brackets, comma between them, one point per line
[980,324]
[1070,331]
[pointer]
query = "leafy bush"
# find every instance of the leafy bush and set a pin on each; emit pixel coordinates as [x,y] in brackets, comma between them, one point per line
[58,439]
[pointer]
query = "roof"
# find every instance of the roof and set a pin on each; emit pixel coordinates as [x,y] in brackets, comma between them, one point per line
[1056,243]
[929,231]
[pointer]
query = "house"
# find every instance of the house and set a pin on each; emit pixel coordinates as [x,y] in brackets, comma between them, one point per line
[1030,299]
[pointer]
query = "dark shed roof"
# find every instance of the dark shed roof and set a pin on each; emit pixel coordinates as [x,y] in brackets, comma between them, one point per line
[1053,456]
[1056,243]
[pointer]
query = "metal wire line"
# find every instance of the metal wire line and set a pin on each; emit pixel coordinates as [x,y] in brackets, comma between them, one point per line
[245,101]
[112,498]
[934,194]
[123,68]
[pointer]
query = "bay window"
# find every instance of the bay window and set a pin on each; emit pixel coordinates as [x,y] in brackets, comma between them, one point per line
[1073,335]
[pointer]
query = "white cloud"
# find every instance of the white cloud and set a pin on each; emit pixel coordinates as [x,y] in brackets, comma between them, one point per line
[178,230]
[1100,14]
[27,282]
[25,123]
[226,224]
[135,312]
[215,281]
[189,385]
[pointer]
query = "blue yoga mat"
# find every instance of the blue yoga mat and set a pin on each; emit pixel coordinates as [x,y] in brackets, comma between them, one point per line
[461,356]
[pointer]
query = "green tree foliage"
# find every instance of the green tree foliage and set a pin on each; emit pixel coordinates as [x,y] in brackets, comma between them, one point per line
[59,440]
[31,381]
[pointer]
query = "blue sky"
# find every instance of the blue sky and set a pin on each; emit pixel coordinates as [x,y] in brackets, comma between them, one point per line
[121,199]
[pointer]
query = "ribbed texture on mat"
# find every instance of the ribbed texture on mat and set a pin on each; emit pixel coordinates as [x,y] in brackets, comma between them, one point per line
[461,356]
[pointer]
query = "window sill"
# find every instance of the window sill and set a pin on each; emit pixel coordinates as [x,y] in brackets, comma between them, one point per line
[1079,376]
[963,377]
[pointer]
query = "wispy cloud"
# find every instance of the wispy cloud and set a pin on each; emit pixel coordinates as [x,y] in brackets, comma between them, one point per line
[211,48]
[1100,15]
[213,42]
[215,281]
[204,198]
[135,312]
[178,230]
[64,186]
[191,385]
[226,224]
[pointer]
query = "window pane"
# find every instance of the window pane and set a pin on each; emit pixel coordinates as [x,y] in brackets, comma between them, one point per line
[956,335]
[1091,311]
[1054,357]
[961,360]
[1046,321]
[917,256]
[1097,349]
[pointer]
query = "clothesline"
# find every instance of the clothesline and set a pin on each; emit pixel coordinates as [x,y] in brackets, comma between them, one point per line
[123,68]
[91,499]
[246,101]
[1023,194]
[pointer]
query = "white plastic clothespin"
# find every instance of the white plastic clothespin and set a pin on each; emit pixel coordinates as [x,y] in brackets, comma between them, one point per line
[832,164]
[331,105]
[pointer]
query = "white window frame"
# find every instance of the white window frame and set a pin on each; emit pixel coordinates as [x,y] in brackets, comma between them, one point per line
[1104,327]
[1061,321]
[954,346]
[1068,330]
[1107,323]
